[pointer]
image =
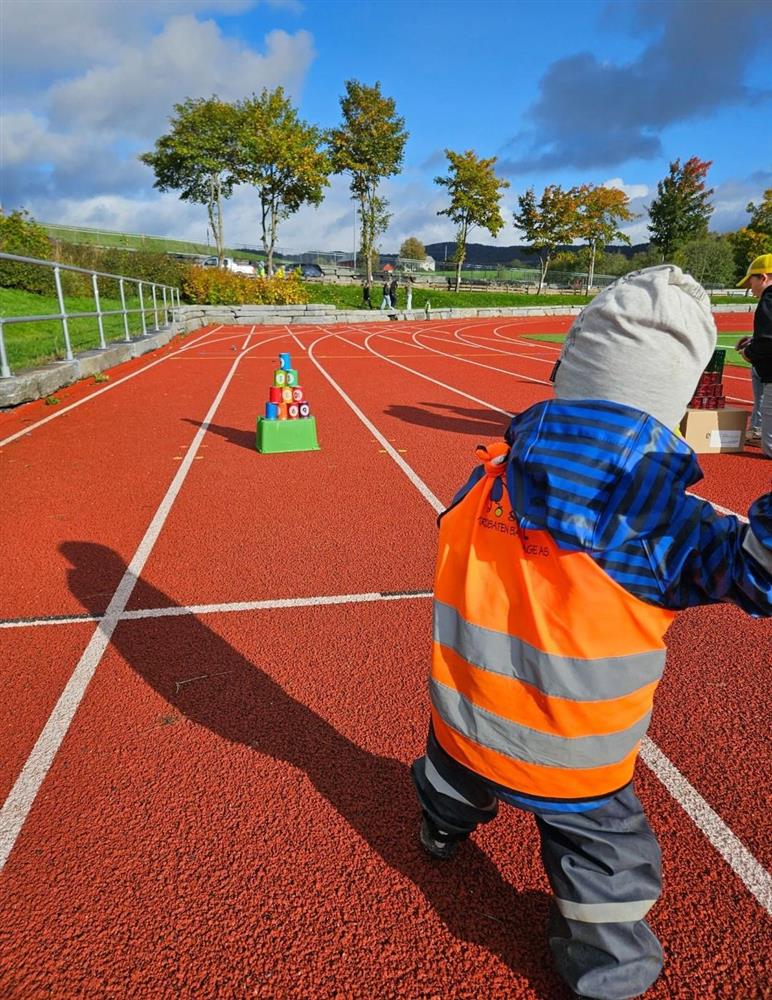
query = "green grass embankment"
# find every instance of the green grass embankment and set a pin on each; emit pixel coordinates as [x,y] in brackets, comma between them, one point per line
[40,341]
[350,297]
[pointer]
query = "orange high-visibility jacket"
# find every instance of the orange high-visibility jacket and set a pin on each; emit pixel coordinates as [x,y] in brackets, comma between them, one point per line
[543,667]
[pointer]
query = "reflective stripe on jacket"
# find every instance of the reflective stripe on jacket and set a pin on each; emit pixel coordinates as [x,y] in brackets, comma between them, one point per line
[543,668]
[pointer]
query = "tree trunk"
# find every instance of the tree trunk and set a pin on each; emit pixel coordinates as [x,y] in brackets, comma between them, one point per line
[460,254]
[214,210]
[367,237]
[267,247]
[591,271]
[544,263]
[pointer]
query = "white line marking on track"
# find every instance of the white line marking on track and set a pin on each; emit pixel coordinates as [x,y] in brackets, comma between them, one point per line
[419,484]
[349,342]
[99,392]
[297,341]
[480,364]
[428,378]
[26,787]
[245,345]
[751,873]
[227,608]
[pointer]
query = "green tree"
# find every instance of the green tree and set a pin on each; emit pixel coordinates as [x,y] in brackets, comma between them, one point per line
[281,156]
[710,260]
[412,248]
[369,144]
[755,238]
[600,211]
[22,236]
[682,208]
[761,214]
[548,223]
[475,199]
[197,158]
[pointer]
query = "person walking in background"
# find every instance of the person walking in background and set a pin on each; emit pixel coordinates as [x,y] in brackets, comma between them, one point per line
[366,295]
[386,300]
[393,292]
[561,564]
[409,294]
[758,349]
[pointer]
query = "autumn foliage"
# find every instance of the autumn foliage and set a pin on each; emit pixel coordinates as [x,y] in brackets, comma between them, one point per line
[213,286]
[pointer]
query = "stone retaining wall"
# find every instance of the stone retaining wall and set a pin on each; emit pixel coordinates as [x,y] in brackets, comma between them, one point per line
[192,317]
[37,383]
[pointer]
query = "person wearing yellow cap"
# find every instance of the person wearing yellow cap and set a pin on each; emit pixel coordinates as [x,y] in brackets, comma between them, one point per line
[758,350]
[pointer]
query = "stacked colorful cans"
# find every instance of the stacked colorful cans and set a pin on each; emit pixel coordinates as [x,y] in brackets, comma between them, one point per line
[709,394]
[285,397]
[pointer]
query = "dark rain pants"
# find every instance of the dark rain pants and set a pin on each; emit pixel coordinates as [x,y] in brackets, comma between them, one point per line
[603,866]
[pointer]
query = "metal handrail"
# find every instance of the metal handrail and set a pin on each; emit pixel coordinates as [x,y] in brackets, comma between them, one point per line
[63,315]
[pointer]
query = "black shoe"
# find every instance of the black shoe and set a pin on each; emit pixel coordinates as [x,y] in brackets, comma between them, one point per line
[438,843]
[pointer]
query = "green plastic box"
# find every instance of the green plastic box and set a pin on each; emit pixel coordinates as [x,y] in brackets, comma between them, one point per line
[274,436]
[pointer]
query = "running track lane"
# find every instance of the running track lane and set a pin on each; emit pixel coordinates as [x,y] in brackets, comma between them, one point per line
[547,993]
[98,470]
[254,832]
[255,527]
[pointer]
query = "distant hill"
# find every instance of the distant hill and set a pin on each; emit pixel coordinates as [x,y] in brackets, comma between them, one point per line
[479,253]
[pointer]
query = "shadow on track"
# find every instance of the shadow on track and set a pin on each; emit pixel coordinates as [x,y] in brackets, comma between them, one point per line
[372,793]
[236,435]
[483,424]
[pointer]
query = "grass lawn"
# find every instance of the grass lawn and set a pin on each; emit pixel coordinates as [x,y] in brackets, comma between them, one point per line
[350,297]
[725,340]
[35,343]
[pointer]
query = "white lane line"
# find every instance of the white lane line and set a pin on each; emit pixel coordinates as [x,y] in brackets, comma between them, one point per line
[93,395]
[227,608]
[25,789]
[480,364]
[53,620]
[297,341]
[743,863]
[349,342]
[278,602]
[245,345]
[428,378]
[419,484]
[751,873]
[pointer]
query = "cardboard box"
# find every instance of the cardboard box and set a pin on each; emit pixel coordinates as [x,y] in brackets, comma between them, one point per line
[710,432]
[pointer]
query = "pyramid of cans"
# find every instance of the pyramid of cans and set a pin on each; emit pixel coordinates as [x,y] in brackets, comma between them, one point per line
[709,394]
[285,396]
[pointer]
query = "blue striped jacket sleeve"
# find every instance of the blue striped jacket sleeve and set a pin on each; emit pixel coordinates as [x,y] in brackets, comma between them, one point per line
[707,558]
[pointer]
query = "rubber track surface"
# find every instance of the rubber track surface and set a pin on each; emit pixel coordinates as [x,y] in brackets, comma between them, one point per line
[230,812]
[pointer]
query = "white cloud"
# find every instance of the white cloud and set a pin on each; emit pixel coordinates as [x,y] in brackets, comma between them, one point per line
[631,190]
[189,58]
[68,35]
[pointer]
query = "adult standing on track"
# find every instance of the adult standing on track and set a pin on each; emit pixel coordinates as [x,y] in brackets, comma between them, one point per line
[561,565]
[386,300]
[758,350]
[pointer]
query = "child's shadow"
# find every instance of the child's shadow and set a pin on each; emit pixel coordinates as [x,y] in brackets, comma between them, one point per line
[374,794]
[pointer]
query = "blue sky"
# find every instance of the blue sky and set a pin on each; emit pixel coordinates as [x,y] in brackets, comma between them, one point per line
[560,92]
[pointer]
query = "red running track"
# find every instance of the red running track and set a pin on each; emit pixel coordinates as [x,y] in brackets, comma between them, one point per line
[225,807]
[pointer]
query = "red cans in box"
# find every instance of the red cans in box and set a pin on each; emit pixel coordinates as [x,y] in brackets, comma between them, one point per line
[305,409]
[297,394]
[274,394]
[293,411]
